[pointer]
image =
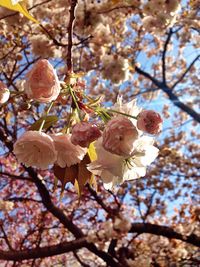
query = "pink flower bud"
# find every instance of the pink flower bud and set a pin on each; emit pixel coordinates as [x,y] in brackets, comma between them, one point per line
[42,82]
[149,121]
[84,133]
[119,136]
[4,93]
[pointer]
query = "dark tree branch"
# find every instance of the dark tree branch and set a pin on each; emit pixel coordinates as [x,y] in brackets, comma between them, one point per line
[100,201]
[6,238]
[185,72]
[164,56]
[70,36]
[58,213]
[74,245]
[23,199]
[43,252]
[24,69]
[165,231]
[4,139]
[111,248]
[79,260]
[15,177]
[57,250]
[148,76]
[55,42]
[46,199]
[170,94]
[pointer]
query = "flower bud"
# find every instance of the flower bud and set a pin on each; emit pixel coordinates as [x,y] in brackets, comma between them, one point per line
[42,82]
[119,136]
[4,93]
[149,121]
[84,133]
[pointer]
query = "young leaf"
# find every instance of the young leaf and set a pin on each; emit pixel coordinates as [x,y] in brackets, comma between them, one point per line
[19,6]
[92,152]
[84,175]
[77,174]
[49,121]
[66,175]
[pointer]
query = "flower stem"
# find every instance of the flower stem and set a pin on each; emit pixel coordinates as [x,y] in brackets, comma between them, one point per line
[75,101]
[118,112]
[46,114]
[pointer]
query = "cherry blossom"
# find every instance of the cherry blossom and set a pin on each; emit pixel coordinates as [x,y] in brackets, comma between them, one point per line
[35,149]
[114,169]
[67,153]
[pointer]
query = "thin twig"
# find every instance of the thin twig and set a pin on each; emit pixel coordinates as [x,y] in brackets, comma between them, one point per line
[70,36]
[186,71]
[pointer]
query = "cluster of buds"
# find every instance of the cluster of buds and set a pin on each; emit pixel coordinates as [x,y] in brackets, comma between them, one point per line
[122,148]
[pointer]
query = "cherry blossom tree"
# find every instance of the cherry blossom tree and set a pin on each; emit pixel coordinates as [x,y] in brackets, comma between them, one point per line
[99,133]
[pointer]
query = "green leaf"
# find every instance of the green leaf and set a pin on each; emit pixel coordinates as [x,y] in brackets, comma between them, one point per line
[49,121]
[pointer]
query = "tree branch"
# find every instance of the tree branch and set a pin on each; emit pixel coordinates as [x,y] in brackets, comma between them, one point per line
[6,238]
[164,56]
[165,231]
[170,94]
[46,199]
[100,201]
[185,72]
[74,245]
[44,251]
[70,36]
[58,213]
[15,177]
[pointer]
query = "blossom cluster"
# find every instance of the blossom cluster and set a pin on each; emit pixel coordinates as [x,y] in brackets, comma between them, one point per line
[122,146]
[160,14]
[110,229]
[4,93]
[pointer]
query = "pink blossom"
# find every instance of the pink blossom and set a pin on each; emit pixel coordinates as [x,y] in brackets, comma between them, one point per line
[42,82]
[84,133]
[149,121]
[4,93]
[119,136]
[68,153]
[35,149]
